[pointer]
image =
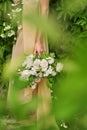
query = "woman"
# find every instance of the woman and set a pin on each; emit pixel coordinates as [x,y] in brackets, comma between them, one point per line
[31,41]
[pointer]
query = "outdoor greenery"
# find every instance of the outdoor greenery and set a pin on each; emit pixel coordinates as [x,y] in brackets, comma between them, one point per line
[10,22]
[69,42]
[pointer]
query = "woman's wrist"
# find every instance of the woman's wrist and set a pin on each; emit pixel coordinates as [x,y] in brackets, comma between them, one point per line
[39,38]
[44,7]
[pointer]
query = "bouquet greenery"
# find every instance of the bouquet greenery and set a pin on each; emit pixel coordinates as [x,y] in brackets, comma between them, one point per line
[36,67]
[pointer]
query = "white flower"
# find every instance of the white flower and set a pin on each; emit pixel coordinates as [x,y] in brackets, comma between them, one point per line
[11,33]
[33,71]
[59,67]
[24,63]
[25,74]
[54,73]
[2,35]
[44,64]
[37,62]
[34,86]
[13,4]
[7,28]
[28,62]
[45,74]
[4,24]
[37,68]
[48,71]
[17,10]
[50,60]
[64,125]
[15,38]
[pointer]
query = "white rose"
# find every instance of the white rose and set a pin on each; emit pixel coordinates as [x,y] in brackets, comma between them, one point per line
[35,67]
[59,67]
[50,60]
[48,71]
[36,62]
[28,63]
[44,64]
[33,71]
[54,73]
[24,74]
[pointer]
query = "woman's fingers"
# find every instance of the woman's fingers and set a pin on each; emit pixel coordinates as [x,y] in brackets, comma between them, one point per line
[40,52]
[38,49]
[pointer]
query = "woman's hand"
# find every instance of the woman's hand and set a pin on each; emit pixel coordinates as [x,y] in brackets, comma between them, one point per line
[44,7]
[39,48]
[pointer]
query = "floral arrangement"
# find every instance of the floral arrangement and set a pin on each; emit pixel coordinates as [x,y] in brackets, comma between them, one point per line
[36,67]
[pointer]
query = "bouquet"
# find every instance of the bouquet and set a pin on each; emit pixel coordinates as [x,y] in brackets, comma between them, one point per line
[36,67]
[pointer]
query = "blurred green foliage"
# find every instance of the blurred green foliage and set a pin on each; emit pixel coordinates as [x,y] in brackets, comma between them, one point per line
[70,91]
[72,17]
[8,33]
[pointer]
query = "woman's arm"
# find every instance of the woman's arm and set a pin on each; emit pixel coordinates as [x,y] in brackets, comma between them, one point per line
[44,8]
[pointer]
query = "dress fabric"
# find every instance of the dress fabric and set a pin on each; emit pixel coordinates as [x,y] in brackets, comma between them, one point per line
[25,44]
